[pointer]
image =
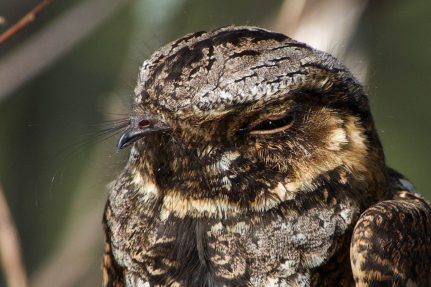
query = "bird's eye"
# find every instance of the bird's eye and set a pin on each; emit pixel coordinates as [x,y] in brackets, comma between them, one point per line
[272,126]
[144,123]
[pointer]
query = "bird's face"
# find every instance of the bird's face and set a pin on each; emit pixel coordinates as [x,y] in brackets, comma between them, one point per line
[248,118]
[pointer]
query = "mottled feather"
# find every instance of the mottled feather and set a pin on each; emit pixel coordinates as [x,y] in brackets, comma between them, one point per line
[254,157]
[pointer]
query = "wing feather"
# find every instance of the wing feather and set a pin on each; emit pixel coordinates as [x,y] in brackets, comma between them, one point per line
[391,243]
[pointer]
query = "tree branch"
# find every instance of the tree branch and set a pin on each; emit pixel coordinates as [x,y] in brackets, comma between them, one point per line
[10,253]
[50,43]
[24,21]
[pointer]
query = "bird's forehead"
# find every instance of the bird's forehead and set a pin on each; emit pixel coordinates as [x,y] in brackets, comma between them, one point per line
[212,72]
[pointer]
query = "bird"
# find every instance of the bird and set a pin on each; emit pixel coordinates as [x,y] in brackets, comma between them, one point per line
[255,161]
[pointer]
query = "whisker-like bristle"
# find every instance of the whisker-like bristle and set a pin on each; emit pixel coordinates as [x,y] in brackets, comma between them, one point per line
[107,130]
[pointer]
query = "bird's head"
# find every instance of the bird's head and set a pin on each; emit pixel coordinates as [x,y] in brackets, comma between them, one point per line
[251,118]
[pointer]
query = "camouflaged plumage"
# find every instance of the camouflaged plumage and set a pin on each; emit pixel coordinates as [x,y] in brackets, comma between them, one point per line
[254,158]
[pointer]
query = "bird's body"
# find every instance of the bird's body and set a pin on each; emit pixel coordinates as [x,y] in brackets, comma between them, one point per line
[259,159]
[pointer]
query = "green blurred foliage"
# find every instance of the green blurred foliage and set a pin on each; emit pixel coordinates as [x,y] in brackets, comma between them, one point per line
[397,37]
[44,126]
[41,122]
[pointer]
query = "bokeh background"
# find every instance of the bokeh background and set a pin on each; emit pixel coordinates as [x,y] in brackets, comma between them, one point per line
[66,76]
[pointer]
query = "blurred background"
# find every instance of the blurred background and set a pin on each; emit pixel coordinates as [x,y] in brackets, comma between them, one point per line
[66,76]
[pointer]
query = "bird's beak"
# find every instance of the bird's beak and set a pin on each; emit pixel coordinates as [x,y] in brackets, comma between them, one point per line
[138,128]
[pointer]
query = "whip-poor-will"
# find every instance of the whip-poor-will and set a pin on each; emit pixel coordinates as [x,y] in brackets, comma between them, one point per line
[255,162]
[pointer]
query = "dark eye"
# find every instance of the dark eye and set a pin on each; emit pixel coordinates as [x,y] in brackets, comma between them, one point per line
[272,126]
[144,123]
